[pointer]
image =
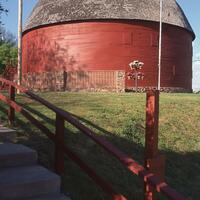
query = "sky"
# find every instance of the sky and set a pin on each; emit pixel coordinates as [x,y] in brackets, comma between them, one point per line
[190,7]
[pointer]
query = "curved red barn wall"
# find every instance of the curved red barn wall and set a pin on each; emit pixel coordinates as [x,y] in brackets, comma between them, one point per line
[111,46]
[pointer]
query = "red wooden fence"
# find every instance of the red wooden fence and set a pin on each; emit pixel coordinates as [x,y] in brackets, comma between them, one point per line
[152,179]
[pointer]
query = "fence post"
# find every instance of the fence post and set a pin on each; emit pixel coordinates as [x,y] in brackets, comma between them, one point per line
[59,140]
[11,111]
[64,81]
[154,161]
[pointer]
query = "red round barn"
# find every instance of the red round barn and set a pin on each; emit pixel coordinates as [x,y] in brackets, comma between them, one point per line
[76,44]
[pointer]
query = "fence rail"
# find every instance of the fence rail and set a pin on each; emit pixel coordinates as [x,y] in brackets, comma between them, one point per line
[149,178]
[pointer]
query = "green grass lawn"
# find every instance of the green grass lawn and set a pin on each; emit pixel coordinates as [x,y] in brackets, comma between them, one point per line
[120,118]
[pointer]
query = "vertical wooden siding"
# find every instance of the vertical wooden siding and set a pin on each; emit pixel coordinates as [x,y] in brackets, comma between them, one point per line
[111,46]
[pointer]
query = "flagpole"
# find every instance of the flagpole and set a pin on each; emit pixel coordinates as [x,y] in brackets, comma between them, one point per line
[19,68]
[160,45]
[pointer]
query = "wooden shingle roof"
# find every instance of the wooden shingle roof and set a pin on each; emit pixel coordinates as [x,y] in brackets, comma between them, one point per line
[55,11]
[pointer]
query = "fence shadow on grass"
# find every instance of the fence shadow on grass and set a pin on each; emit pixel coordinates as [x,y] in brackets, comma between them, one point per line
[182,170]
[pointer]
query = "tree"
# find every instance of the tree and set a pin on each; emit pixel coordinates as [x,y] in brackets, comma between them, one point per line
[8,56]
[8,49]
[7,37]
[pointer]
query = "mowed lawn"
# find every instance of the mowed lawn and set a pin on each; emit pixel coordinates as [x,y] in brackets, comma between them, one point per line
[120,118]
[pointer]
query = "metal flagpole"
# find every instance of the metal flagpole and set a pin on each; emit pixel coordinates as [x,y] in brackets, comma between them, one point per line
[19,68]
[160,45]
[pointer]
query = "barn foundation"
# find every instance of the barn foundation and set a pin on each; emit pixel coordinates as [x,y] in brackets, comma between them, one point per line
[93,81]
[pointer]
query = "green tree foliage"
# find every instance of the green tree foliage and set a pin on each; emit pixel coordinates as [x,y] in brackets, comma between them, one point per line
[8,55]
[8,49]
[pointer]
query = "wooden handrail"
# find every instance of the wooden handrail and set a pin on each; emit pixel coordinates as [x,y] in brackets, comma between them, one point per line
[11,112]
[64,150]
[27,115]
[10,83]
[61,149]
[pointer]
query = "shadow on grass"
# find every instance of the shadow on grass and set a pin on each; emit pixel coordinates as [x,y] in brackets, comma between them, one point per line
[182,170]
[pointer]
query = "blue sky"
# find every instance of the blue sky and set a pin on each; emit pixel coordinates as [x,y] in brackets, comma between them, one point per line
[191,8]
